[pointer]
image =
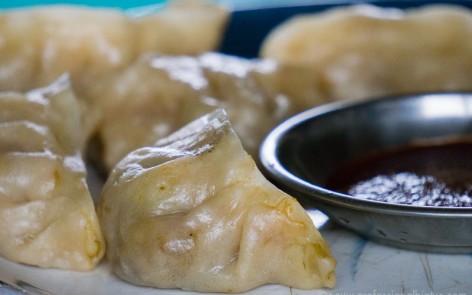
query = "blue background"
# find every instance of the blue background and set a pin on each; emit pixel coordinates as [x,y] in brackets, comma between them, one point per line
[120,3]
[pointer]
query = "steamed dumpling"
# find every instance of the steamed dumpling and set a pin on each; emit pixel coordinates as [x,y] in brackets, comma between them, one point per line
[159,94]
[363,51]
[184,27]
[39,44]
[42,43]
[47,216]
[194,212]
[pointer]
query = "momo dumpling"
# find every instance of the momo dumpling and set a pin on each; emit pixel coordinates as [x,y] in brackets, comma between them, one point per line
[188,27]
[39,44]
[363,51]
[194,212]
[47,215]
[159,94]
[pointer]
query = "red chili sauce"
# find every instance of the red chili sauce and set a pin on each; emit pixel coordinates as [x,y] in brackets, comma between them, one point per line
[423,175]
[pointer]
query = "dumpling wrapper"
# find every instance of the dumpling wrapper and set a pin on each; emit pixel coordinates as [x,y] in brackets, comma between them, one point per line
[47,215]
[194,212]
[363,51]
[160,94]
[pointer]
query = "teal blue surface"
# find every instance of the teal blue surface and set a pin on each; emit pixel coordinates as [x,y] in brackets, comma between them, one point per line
[127,4]
[4,4]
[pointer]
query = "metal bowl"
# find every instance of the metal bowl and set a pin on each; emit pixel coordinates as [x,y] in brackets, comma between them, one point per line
[302,152]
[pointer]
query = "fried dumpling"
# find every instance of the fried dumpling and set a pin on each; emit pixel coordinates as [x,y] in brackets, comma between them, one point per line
[194,212]
[160,94]
[363,51]
[47,215]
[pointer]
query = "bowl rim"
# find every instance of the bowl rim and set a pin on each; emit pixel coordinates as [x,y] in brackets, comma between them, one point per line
[287,180]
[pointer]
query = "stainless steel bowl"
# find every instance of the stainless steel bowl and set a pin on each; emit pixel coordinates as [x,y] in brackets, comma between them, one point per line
[303,151]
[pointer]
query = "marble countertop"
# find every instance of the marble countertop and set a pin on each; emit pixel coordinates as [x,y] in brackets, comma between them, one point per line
[364,267]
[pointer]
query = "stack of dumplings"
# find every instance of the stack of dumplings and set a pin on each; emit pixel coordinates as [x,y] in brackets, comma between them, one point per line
[184,205]
[161,222]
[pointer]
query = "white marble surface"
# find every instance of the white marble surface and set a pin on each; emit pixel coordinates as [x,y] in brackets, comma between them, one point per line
[363,267]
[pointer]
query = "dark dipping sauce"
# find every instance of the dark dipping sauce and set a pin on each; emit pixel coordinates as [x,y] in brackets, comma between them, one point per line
[437,174]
